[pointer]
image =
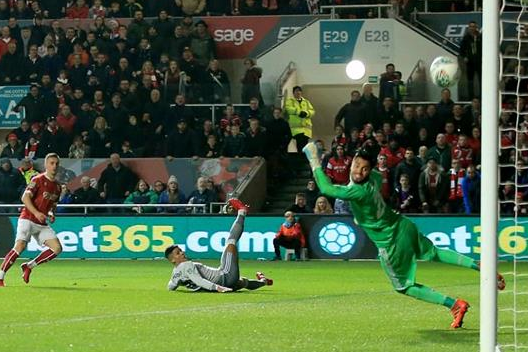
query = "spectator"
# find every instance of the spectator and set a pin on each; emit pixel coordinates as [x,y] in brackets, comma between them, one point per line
[462,152]
[219,8]
[251,82]
[338,167]
[99,139]
[134,136]
[471,53]
[116,182]
[66,120]
[406,199]
[429,120]
[300,112]
[294,7]
[27,170]
[386,77]
[401,134]
[212,148]
[251,8]
[5,40]
[177,43]
[461,120]
[65,197]
[432,188]
[10,66]
[202,195]
[79,10]
[311,193]
[507,198]
[410,166]
[13,149]
[138,28]
[444,107]
[115,10]
[441,152]
[33,66]
[300,204]
[471,191]
[52,63]
[142,195]
[456,176]
[158,188]
[422,155]
[278,145]
[386,177]
[217,89]
[256,139]
[290,235]
[163,24]
[202,44]
[474,143]
[369,101]
[386,113]
[126,152]
[393,152]
[235,143]
[340,138]
[451,135]
[191,7]
[193,75]
[172,195]
[97,10]
[86,194]
[11,185]
[78,150]
[322,206]
[354,113]
[182,142]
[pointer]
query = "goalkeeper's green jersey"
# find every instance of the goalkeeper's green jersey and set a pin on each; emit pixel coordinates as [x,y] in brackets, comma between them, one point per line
[378,220]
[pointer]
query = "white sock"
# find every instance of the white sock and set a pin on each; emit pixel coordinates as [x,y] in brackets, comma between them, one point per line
[32,263]
[2,274]
[242,212]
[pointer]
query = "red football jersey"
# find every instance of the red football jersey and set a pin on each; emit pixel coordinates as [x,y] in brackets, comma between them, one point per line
[45,194]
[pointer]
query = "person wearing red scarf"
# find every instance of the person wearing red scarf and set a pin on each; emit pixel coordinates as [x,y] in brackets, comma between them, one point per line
[456,175]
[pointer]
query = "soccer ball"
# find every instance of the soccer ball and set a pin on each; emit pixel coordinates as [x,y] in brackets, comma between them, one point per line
[444,71]
[337,238]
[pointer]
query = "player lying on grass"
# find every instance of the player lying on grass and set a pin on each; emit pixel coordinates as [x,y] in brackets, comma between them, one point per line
[225,278]
[40,200]
[398,240]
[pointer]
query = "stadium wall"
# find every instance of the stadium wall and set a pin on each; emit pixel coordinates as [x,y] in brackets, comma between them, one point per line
[329,237]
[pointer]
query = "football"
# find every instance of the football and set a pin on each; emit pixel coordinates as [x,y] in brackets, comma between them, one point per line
[444,71]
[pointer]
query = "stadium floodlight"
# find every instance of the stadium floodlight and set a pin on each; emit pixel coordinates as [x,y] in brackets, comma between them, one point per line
[355,70]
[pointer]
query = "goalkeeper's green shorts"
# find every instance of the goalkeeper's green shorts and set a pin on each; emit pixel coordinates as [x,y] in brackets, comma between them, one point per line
[398,260]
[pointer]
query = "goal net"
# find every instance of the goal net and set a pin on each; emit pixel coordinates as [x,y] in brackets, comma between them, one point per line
[512,303]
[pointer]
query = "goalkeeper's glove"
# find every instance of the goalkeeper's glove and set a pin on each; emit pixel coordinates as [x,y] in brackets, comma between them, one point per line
[313,154]
[303,114]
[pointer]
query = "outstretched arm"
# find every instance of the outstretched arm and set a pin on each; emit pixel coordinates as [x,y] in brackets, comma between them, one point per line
[323,182]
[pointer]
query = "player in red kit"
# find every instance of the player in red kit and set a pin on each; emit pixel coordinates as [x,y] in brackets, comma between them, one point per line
[40,199]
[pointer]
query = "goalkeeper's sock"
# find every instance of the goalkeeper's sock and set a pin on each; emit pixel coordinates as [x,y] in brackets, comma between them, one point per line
[237,228]
[427,294]
[449,256]
[9,260]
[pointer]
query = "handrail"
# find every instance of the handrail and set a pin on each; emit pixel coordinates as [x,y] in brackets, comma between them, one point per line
[426,5]
[213,108]
[334,7]
[402,103]
[100,205]
[284,76]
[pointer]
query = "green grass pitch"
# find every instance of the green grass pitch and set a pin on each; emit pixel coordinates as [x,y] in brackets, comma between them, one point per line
[313,306]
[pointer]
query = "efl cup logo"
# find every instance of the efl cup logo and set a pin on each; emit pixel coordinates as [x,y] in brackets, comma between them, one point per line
[337,238]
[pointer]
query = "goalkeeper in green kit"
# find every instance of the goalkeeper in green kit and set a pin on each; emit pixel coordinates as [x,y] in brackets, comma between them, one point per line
[398,240]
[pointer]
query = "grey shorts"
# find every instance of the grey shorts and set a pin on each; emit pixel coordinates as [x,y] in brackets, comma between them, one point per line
[229,266]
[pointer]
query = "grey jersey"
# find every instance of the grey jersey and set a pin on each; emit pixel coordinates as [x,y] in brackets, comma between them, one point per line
[196,276]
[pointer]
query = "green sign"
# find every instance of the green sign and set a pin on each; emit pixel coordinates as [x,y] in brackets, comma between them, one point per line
[205,236]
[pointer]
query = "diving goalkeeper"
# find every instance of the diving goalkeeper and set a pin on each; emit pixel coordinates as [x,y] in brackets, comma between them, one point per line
[398,240]
[226,278]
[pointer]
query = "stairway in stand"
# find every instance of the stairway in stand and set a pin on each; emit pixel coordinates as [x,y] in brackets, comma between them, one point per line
[281,194]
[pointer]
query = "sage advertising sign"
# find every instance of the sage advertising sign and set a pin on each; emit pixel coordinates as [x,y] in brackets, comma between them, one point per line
[10,96]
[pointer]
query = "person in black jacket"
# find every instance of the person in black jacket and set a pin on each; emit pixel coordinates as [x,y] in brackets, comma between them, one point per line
[116,181]
[32,104]
[86,194]
[353,113]
[12,185]
[11,66]
[256,139]
[182,143]
[471,52]
[13,149]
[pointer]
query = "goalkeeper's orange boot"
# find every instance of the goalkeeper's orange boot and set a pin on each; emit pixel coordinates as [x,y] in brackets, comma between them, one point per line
[501,283]
[458,311]
[238,205]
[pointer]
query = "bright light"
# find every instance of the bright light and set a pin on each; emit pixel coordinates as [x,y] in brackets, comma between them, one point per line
[355,69]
